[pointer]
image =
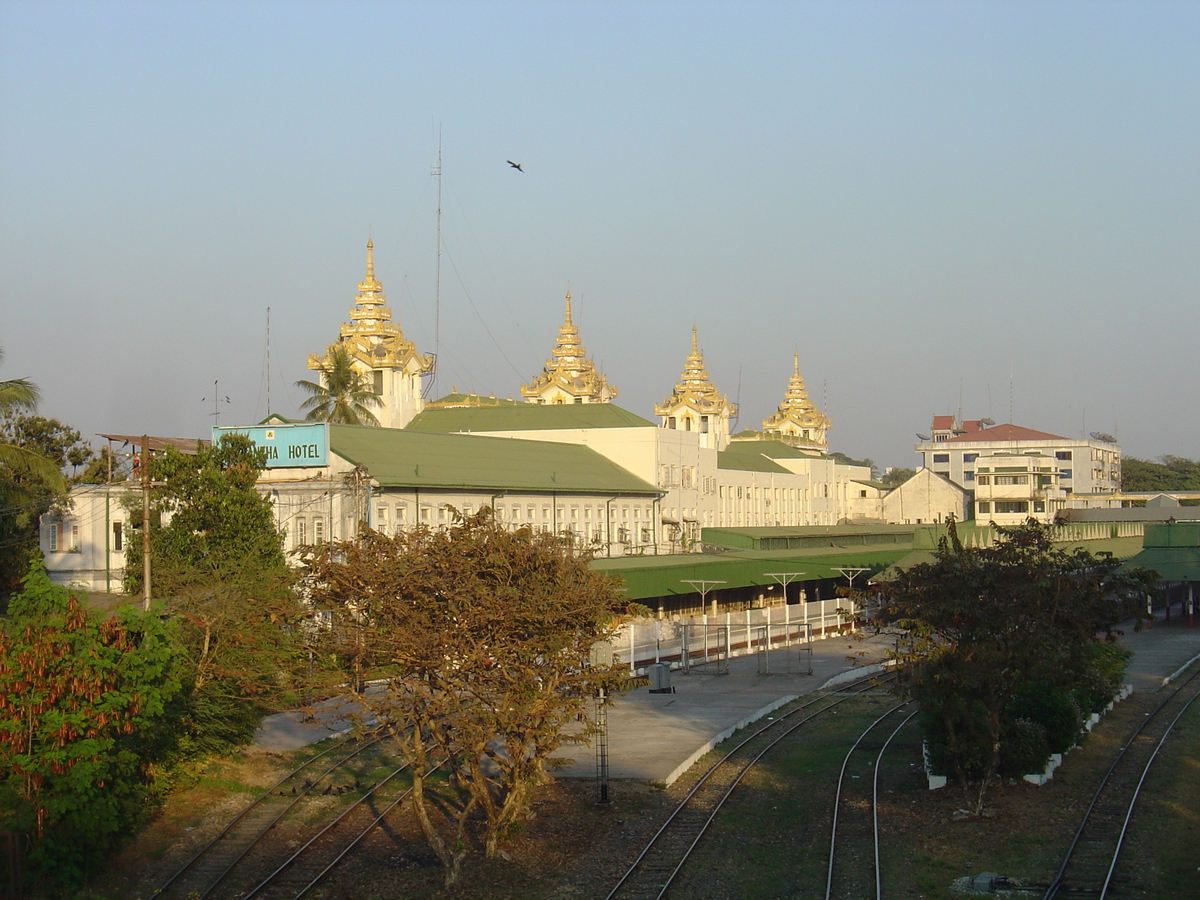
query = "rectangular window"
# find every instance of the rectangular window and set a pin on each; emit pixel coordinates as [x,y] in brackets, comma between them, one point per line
[377,382]
[941,437]
[968,476]
[985,507]
[55,537]
[516,514]
[1064,473]
[118,539]
[984,479]
[425,515]
[318,531]
[1012,479]
[74,548]
[301,532]
[941,458]
[401,514]
[970,458]
[1012,506]
[1039,505]
[1062,454]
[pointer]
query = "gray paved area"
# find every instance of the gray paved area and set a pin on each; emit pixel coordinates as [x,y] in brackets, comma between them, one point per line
[656,737]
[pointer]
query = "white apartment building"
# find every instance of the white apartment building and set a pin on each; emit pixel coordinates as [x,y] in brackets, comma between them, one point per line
[953,448]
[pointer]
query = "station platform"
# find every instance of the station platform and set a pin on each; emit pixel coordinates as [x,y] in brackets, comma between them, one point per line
[657,736]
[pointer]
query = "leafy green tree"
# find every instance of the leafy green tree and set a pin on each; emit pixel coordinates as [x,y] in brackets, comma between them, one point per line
[896,477]
[343,395]
[84,702]
[478,644]
[29,484]
[218,560]
[1001,642]
[49,438]
[1170,473]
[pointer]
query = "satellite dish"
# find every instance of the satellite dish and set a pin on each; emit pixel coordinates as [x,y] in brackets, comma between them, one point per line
[987,423]
[922,437]
[1101,436]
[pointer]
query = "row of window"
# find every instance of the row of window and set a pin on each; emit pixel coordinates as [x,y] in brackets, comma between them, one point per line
[64,537]
[1011,506]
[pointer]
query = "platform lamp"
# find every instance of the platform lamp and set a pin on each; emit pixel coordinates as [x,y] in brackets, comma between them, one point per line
[850,573]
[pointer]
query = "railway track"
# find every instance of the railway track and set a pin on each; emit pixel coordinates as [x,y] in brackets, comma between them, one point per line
[854,835]
[231,863]
[1089,868]
[664,857]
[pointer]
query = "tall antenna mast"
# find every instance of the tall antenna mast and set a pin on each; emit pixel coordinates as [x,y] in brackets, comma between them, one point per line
[268,361]
[436,172]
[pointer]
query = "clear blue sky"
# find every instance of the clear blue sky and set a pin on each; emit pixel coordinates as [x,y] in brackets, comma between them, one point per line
[987,205]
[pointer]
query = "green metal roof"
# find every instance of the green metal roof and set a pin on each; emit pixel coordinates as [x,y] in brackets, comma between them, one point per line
[646,577]
[472,399]
[1121,548]
[794,537]
[400,458]
[526,417]
[747,462]
[1172,549]
[774,447]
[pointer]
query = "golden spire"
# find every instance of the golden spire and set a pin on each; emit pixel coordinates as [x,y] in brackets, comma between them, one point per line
[369,285]
[694,388]
[569,376]
[797,418]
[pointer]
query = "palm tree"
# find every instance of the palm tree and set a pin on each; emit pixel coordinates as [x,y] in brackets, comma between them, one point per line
[17,393]
[22,394]
[342,396]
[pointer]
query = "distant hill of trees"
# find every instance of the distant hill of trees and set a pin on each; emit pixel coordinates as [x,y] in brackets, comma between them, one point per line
[1170,473]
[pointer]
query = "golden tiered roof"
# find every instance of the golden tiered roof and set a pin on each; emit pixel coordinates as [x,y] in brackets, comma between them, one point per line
[371,337]
[569,376]
[797,414]
[695,391]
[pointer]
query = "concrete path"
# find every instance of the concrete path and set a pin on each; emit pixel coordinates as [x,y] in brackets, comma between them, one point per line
[656,737]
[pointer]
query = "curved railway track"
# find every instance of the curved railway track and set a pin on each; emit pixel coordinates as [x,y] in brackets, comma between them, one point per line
[657,866]
[1090,865]
[856,812]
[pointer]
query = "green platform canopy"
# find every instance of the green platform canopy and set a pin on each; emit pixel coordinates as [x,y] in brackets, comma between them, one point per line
[1171,549]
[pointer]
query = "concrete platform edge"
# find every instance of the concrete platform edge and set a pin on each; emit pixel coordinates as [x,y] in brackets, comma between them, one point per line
[769,708]
[1169,678]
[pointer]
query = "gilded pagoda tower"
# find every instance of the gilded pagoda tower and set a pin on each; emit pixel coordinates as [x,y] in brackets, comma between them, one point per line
[569,376]
[797,420]
[696,405]
[378,351]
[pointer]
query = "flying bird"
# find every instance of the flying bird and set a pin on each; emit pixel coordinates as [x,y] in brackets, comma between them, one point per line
[516,166]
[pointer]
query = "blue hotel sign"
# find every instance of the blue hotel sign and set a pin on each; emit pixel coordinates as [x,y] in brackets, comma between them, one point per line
[287,446]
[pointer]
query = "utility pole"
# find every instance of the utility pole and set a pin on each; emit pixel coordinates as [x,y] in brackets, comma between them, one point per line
[145,522]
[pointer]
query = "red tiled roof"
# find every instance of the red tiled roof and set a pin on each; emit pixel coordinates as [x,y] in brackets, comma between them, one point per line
[1004,432]
[946,423]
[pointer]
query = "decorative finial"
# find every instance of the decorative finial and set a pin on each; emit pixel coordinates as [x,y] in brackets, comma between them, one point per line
[796,366]
[694,339]
[568,321]
[370,260]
